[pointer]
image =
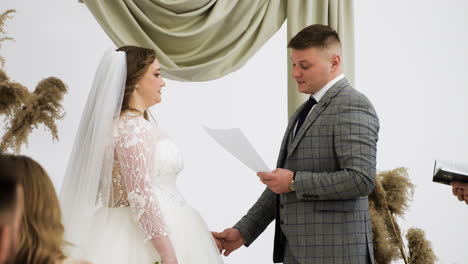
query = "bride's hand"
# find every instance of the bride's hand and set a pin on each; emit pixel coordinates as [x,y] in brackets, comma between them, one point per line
[164,247]
[169,261]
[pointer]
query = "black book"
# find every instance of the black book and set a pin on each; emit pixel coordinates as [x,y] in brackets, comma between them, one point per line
[445,172]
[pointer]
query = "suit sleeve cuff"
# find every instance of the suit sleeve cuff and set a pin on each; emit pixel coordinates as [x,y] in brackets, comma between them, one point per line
[245,234]
[303,186]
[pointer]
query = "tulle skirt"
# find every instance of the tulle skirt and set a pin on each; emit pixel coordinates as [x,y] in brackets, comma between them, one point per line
[119,239]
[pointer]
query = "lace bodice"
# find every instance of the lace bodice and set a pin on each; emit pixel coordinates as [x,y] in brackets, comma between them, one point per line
[146,162]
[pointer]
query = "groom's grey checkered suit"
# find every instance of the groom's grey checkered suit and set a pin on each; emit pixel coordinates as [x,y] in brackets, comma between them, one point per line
[326,220]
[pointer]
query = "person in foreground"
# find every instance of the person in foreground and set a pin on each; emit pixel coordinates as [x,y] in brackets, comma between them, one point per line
[120,200]
[41,230]
[326,167]
[11,212]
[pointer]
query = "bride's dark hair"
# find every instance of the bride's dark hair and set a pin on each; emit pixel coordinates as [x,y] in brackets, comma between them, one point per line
[138,61]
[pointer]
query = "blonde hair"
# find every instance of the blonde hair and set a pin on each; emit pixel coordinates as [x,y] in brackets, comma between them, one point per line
[41,235]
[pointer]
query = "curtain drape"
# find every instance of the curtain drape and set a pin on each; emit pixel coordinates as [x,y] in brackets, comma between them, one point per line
[195,40]
[201,40]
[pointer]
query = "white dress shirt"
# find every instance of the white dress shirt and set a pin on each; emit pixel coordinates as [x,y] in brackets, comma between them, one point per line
[319,94]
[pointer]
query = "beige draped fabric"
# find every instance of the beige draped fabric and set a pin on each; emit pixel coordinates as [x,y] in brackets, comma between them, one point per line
[195,40]
[201,40]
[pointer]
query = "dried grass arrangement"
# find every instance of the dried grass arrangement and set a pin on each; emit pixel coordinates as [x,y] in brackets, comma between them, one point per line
[23,110]
[390,199]
[3,18]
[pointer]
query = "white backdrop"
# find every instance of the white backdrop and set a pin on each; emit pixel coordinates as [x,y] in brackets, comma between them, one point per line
[410,62]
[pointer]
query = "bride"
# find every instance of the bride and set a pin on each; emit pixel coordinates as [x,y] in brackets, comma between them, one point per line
[119,195]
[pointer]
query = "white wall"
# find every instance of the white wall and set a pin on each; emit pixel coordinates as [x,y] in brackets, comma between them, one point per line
[411,62]
[411,69]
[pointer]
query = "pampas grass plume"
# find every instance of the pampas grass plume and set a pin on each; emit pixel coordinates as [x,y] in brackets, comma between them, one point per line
[42,107]
[420,250]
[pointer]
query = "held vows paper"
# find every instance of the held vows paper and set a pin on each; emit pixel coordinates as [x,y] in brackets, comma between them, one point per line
[236,143]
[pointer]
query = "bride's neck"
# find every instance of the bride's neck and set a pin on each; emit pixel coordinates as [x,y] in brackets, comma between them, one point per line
[137,107]
[136,103]
[132,111]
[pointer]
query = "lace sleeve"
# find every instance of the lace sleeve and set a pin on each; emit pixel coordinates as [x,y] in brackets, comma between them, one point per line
[135,154]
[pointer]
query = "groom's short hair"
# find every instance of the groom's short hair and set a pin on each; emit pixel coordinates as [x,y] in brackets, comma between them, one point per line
[315,36]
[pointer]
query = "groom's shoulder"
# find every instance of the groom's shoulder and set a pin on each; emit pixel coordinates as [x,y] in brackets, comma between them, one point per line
[351,97]
[351,100]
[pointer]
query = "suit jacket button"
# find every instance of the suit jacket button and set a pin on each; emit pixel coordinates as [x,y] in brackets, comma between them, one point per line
[282,222]
[282,206]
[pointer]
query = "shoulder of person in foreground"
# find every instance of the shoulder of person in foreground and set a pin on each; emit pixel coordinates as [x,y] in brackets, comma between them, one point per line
[75,261]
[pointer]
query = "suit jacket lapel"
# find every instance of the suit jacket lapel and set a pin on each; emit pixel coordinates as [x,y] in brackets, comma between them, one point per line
[284,143]
[316,111]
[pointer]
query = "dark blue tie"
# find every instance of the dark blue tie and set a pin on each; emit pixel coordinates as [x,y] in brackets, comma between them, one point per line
[304,112]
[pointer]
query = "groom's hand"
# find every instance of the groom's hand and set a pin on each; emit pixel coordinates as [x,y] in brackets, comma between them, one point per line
[231,238]
[219,242]
[277,180]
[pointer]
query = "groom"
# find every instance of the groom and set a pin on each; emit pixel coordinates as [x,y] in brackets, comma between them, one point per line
[325,169]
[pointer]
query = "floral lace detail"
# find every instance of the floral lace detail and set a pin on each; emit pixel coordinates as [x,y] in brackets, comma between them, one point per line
[138,201]
[133,168]
[119,194]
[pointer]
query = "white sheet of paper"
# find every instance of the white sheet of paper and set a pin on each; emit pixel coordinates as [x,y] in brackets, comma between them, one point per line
[235,142]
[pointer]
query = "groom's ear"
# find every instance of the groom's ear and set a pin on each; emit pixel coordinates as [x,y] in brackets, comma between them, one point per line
[335,61]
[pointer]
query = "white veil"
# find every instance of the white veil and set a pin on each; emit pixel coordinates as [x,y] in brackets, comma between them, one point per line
[87,182]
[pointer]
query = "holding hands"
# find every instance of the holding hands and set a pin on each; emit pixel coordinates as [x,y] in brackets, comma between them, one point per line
[460,189]
[228,240]
[278,181]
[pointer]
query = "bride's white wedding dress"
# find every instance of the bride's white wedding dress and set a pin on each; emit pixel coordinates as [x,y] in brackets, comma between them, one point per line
[145,202]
